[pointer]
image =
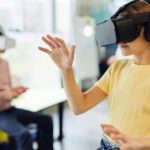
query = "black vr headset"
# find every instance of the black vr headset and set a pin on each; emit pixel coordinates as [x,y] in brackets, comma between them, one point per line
[123,28]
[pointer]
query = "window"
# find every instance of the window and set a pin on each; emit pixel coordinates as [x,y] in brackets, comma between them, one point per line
[27,15]
[11,14]
[64,13]
[38,15]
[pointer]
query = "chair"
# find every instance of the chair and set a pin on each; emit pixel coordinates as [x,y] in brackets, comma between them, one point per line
[4,140]
[8,143]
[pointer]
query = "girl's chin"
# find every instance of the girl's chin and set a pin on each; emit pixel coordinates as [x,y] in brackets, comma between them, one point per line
[125,52]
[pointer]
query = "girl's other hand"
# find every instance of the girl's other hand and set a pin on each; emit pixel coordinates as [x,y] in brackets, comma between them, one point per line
[125,142]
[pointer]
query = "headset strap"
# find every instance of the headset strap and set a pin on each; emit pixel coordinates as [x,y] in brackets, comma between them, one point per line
[141,17]
[138,18]
[126,5]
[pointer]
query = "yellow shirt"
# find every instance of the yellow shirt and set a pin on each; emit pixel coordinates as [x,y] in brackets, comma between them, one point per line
[128,89]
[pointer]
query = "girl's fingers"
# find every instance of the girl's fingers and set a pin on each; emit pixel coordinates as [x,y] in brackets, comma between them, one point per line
[62,50]
[62,43]
[59,49]
[55,44]
[114,133]
[109,128]
[57,53]
[51,45]
[109,131]
[53,41]
[119,137]
[45,50]
[71,55]
[107,125]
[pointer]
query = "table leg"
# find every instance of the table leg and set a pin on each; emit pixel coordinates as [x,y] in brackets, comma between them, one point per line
[60,113]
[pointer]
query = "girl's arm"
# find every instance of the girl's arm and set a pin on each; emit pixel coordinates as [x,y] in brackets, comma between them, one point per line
[63,58]
[80,102]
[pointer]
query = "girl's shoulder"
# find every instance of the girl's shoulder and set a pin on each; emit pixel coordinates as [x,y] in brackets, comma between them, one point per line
[121,63]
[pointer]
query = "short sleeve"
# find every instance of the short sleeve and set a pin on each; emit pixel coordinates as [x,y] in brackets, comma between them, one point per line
[104,83]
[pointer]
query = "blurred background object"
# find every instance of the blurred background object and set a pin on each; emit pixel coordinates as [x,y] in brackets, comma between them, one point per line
[86,56]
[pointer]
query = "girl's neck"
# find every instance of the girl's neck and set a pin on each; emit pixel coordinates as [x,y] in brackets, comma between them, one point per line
[142,59]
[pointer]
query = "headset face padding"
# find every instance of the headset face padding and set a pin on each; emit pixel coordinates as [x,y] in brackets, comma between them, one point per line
[126,29]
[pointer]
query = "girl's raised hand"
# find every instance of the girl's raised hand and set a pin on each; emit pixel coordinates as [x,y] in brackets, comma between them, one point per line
[59,52]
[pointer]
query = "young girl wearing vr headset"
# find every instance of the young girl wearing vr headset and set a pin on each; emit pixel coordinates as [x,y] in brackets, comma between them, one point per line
[126,84]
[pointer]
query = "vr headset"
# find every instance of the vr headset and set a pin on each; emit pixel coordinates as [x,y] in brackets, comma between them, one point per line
[5,41]
[123,28]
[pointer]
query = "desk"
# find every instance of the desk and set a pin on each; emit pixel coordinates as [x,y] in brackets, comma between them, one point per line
[38,99]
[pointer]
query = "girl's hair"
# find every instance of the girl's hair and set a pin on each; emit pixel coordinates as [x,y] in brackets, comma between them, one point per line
[135,7]
[140,6]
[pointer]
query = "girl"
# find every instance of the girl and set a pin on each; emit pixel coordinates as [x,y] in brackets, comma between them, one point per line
[126,85]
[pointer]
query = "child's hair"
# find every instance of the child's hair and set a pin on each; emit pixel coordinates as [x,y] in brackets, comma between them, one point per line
[139,6]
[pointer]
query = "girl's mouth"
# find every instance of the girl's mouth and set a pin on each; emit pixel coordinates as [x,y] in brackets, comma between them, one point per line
[124,46]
